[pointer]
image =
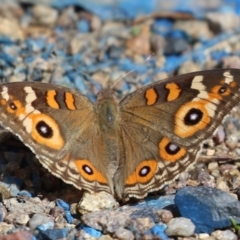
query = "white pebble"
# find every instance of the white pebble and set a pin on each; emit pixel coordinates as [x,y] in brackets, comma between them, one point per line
[180,227]
[124,234]
[224,235]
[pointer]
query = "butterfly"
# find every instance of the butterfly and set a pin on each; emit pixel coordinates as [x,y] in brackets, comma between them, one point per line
[127,148]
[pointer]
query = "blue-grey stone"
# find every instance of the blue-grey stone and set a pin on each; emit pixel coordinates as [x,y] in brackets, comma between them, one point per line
[208,208]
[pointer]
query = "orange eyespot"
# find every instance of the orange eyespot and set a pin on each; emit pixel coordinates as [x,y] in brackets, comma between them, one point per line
[143,173]
[88,171]
[170,151]
[191,117]
[45,130]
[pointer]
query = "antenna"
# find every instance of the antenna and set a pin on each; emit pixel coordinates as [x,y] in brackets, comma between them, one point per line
[147,59]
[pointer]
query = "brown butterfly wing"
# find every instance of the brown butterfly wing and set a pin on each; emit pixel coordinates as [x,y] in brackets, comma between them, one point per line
[60,127]
[163,125]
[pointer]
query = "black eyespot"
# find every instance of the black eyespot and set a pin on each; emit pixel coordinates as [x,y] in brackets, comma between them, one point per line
[44,130]
[172,148]
[193,116]
[144,171]
[87,169]
[222,90]
[12,106]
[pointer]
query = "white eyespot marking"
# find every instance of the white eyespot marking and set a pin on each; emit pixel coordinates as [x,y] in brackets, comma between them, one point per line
[197,83]
[27,123]
[5,94]
[144,171]
[228,77]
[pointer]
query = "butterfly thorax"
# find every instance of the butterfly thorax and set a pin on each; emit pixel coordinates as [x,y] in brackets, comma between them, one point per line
[108,112]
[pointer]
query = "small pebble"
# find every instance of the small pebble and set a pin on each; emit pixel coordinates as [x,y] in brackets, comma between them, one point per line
[73,208]
[226,21]
[105,237]
[222,185]
[40,219]
[21,235]
[44,15]
[56,211]
[219,135]
[141,224]
[180,227]
[237,151]
[188,66]
[11,28]
[96,202]
[203,236]
[53,234]
[234,173]
[164,215]
[17,218]
[224,235]
[158,231]
[95,23]
[140,43]
[108,221]
[124,234]
[194,28]
[215,173]
[231,62]
[212,166]
[210,152]
[5,228]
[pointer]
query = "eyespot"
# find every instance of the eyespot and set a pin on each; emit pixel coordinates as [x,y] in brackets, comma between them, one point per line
[222,90]
[88,171]
[219,91]
[170,151]
[143,173]
[172,148]
[193,117]
[12,106]
[44,129]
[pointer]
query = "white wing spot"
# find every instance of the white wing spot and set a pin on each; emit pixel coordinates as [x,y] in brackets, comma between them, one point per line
[228,77]
[211,109]
[27,123]
[197,83]
[31,96]
[5,94]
